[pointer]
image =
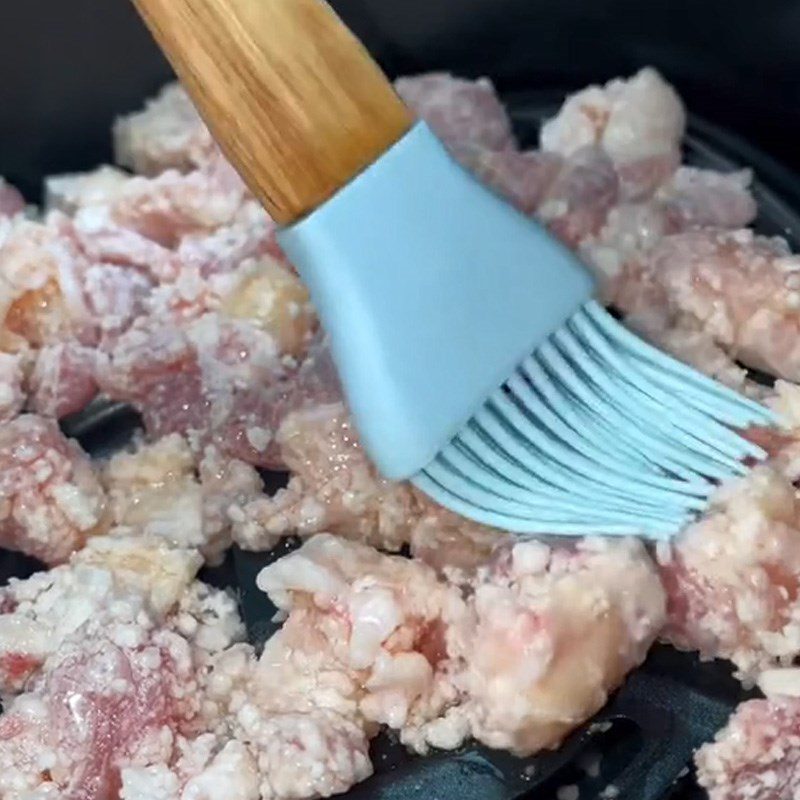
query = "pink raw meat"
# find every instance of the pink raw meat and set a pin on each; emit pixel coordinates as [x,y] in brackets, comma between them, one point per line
[214,380]
[732,577]
[171,205]
[367,637]
[517,660]
[692,198]
[63,379]
[640,178]
[104,240]
[58,287]
[554,630]
[618,252]
[154,367]
[757,755]
[522,178]
[707,199]
[251,234]
[578,200]
[101,705]
[459,111]
[115,296]
[100,592]
[50,499]
[40,302]
[11,201]
[16,669]
[742,289]
[125,641]
[638,122]
[333,487]
[91,716]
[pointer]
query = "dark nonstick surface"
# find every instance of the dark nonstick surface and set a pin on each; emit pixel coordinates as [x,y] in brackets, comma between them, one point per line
[642,742]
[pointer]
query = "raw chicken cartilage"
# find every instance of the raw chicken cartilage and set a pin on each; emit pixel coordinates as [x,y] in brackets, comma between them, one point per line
[459,111]
[50,499]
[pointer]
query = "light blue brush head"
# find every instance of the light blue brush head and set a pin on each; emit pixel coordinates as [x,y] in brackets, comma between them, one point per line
[476,363]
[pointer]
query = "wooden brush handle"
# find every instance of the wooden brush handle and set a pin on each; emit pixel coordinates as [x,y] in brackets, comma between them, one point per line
[293,98]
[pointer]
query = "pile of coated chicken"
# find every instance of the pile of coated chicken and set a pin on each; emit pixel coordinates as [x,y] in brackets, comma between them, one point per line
[159,283]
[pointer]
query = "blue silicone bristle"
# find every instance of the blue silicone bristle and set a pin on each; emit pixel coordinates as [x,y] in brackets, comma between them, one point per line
[529,463]
[441,299]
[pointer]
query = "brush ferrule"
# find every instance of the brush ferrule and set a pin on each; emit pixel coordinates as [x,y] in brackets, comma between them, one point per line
[433,289]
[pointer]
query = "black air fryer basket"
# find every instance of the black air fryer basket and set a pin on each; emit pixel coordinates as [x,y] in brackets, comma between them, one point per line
[68,68]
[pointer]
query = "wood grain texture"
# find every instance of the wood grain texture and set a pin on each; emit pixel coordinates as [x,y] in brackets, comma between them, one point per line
[292,97]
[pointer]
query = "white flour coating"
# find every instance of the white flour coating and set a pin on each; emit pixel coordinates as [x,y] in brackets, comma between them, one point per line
[124,640]
[757,755]
[440,663]
[732,577]
[159,490]
[42,611]
[51,501]
[167,133]
[166,289]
